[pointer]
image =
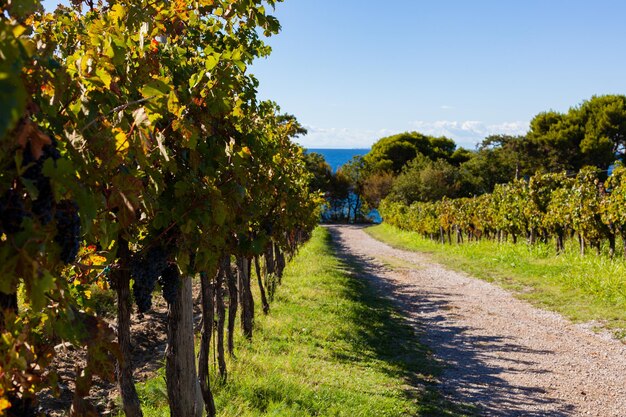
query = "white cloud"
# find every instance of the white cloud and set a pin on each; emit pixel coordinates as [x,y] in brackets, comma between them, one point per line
[446,107]
[466,133]
[341,138]
[469,132]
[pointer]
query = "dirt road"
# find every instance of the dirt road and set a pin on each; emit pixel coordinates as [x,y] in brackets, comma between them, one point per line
[501,354]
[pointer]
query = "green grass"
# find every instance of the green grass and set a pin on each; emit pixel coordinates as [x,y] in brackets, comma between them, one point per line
[331,346]
[582,288]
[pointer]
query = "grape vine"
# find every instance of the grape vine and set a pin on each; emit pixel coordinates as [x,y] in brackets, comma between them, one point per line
[544,207]
[135,127]
[146,270]
[68,230]
[169,283]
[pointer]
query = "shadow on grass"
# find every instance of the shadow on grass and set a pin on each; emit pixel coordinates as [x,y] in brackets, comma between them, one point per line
[384,335]
[393,335]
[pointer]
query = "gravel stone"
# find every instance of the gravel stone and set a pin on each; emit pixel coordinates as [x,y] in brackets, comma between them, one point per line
[501,354]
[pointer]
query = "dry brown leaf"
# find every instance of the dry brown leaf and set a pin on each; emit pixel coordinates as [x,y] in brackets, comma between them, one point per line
[37,142]
[27,132]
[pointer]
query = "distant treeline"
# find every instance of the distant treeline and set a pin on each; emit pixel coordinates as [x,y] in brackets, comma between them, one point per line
[410,167]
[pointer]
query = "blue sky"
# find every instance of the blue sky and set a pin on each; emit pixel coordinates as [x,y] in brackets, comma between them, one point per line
[353,71]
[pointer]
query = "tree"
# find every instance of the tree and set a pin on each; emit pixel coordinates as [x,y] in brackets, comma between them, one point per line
[291,125]
[555,142]
[593,133]
[354,172]
[376,187]
[393,152]
[320,170]
[604,121]
[460,156]
[425,180]
[499,159]
[337,203]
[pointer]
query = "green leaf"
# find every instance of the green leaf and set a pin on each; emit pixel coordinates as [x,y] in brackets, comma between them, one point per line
[109,231]
[195,79]
[241,65]
[75,107]
[104,76]
[38,289]
[155,88]
[23,8]
[181,188]
[56,170]
[87,205]
[12,101]
[182,259]
[211,61]
[31,188]
[173,105]
[219,213]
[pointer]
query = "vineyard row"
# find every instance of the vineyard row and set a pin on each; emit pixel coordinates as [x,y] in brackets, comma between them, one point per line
[544,207]
[134,149]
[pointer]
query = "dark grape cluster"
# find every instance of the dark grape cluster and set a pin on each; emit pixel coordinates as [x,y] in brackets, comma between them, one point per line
[68,230]
[267,226]
[12,212]
[42,206]
[145,271]
[169,283]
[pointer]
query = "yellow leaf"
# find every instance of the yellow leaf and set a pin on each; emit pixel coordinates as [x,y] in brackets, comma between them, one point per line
[4,404]
[97,259]
[104,76]
[118,12]
[121,141]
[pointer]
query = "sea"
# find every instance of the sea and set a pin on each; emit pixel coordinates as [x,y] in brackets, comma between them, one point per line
[337,157]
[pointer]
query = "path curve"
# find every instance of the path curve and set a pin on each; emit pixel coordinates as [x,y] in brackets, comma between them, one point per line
[501,354]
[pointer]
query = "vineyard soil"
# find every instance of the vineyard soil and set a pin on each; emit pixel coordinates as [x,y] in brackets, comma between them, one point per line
[149,339]
[501,354]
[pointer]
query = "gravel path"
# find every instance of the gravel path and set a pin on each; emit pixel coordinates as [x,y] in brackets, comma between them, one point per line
[502,354]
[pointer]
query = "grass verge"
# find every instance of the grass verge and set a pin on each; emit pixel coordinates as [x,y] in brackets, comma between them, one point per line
[587,288]
[330,347]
